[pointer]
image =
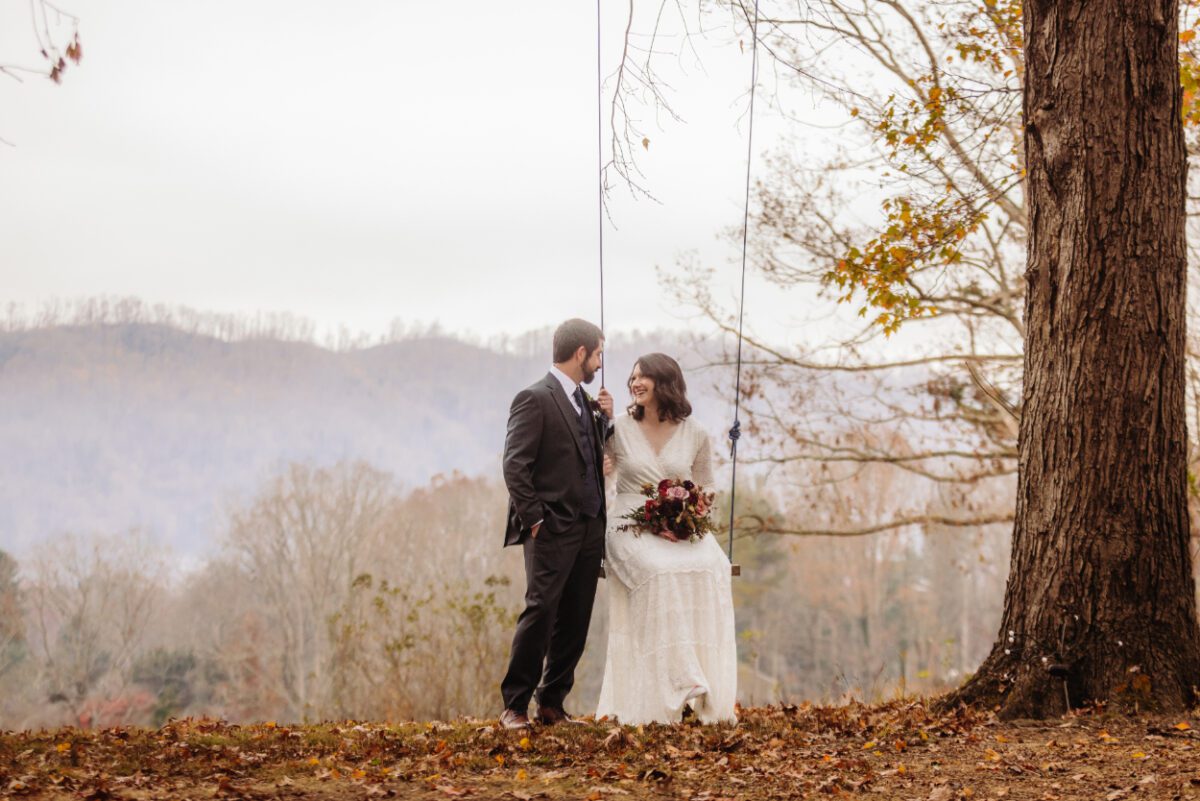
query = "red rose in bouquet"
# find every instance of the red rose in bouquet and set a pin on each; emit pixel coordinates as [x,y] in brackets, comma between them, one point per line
[679,507]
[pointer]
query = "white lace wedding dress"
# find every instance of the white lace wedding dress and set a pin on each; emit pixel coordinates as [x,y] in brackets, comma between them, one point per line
[671,637]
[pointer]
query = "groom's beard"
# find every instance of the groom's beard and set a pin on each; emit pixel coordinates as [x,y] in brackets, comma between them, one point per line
[588,375]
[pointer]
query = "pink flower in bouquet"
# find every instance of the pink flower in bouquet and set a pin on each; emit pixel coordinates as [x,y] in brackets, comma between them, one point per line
[674,508]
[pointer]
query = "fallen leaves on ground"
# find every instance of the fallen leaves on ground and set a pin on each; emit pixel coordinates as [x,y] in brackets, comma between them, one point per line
[894,750]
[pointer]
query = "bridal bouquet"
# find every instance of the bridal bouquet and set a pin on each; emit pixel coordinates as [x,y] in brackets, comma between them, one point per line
[680,507]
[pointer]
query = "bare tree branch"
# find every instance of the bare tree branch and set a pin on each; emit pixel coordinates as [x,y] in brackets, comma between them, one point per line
[762,526]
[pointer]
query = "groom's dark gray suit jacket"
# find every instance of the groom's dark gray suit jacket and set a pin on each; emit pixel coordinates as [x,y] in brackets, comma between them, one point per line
[544,456]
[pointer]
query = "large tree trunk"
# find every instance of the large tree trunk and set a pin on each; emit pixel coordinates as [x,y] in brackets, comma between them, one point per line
[1100,603]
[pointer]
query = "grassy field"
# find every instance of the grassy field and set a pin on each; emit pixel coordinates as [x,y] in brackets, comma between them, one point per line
[896,750]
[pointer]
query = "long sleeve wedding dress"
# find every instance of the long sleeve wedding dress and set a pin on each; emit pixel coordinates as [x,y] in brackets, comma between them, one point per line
[671,639]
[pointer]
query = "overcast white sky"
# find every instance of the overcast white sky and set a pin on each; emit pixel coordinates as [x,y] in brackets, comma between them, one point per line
[357,162]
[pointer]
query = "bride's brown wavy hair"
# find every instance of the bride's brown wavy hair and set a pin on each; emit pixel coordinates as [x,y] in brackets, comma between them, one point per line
[670,390]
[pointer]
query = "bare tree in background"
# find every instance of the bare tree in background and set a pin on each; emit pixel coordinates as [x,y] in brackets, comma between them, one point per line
[425,630]
[14,650]
[91,603]
[12,616]
[302,543]
[365,602]
[831,617]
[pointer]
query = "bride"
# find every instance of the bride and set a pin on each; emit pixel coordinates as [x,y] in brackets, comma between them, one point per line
[671,635]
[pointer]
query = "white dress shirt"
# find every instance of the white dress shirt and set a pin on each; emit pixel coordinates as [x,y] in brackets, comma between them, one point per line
[569,386]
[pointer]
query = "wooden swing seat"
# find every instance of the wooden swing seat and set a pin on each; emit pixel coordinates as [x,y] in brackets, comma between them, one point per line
[734,570]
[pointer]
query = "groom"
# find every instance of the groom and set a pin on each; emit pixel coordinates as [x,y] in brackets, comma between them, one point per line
[553,468]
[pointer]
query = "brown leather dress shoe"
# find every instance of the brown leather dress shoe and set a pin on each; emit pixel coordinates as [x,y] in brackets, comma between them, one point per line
[551,715]
[512,719]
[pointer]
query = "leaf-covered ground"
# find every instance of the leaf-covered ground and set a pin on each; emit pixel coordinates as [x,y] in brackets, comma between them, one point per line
[897,750]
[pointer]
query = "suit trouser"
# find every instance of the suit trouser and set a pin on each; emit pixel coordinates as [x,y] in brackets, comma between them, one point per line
[561,570]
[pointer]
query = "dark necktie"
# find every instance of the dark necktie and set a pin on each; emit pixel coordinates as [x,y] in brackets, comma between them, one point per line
[579,398]
[593,502]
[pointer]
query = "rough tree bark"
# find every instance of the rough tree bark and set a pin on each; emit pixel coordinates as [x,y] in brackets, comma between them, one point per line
[1100,601]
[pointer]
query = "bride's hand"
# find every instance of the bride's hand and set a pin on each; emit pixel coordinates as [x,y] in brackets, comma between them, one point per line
[668,536]
[609,465]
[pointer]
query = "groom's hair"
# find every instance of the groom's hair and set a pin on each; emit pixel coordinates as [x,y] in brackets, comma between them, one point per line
[573,335]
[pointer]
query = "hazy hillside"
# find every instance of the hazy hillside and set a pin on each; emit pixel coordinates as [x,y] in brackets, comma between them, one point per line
[110,426]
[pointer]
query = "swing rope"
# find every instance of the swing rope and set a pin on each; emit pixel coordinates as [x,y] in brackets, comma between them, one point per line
[735,432]
[600,173]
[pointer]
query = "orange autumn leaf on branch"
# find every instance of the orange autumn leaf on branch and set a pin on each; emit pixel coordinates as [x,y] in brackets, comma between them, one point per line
[913,127]
[1189,71]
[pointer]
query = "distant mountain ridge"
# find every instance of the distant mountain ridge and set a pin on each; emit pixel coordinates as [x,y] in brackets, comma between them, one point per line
[118,425]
